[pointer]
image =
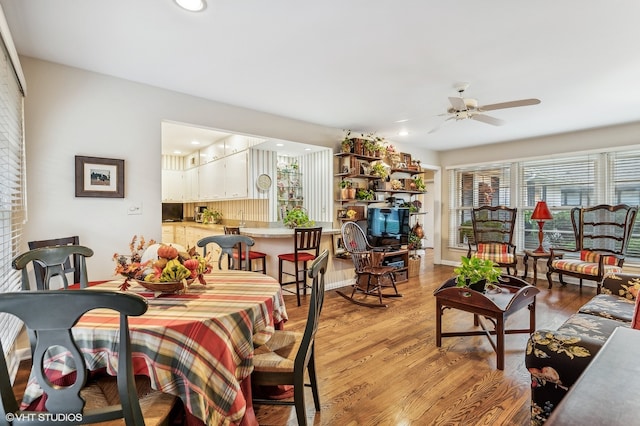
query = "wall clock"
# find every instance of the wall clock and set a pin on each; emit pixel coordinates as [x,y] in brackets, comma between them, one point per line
[263,182]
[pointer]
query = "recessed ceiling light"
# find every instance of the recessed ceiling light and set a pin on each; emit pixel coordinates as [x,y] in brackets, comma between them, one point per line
[403,133]
[404,120]
[279,144]
[192,5]
[177,152]
[307,149]
[195,143]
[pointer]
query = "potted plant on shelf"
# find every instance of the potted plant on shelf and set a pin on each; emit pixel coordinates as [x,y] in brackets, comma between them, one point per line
[347,143]
[365,194]
[476,273]
[347,191]
[379,169]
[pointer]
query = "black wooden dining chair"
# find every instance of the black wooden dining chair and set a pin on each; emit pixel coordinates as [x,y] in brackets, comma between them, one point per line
[49,262]
[70,265]
[51,314]
[227,244]
[288,355]
[306,247]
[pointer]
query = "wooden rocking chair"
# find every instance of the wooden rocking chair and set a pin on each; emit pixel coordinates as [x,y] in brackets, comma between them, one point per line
[371,277]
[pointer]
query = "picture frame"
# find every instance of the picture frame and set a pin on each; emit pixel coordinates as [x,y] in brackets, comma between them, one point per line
[342,213]
[406,158]
[99,177]
[338,247]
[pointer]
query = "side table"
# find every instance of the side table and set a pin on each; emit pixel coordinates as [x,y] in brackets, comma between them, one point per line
[535,256]
[513,295]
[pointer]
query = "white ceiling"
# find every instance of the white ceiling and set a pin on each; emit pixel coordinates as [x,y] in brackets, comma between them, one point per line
[362,64]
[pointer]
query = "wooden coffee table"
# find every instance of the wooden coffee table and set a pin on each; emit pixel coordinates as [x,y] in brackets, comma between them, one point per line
[514,294]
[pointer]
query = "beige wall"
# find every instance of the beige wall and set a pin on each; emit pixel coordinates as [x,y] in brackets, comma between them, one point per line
[595,139]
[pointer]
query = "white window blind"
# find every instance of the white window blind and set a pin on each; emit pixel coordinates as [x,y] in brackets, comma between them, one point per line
[624,187]
[12,194]
[563,183]
[488,185]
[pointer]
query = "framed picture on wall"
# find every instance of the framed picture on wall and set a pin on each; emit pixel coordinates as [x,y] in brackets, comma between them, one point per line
[99,177]
[406,159]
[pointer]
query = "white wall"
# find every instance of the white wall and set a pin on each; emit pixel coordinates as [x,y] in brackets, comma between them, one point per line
[72,112]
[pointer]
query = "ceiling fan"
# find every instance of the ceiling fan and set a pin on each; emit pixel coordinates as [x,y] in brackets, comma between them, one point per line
[467,108]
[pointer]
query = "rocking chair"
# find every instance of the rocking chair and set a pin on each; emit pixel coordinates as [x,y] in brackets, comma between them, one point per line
[371,277]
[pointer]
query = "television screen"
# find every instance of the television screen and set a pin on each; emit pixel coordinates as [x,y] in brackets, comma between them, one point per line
[172,212]
[388,226]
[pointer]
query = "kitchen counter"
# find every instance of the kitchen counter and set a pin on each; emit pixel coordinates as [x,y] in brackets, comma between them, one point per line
[278,232]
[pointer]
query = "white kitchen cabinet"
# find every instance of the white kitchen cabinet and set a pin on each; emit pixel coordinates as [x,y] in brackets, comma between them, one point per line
[172,186]
[236,171]
[211,181]
[191,188]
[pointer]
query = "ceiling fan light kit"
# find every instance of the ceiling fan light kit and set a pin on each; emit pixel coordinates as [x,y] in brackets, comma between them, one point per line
[467,108]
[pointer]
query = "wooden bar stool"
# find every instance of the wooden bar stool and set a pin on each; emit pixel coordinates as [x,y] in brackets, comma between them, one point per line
[253,255]
[306,248]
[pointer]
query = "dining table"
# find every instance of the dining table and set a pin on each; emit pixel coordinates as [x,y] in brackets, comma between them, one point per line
[197,344]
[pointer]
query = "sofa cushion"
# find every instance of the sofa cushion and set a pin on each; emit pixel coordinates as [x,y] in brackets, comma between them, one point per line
[609,306]
[579,266]
[595,327]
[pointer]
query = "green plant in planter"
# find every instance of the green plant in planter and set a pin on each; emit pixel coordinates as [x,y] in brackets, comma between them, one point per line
[420,185]
[345,184]
[211,216]
[378,169]
[297,218]
[474,270]
[365,194]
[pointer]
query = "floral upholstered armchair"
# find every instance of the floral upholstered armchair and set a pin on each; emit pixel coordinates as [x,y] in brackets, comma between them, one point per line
[556,358]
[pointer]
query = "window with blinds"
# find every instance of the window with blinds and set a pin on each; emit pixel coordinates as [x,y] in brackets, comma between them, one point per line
[12,194]
[563,183]
[488,185]
[624,186]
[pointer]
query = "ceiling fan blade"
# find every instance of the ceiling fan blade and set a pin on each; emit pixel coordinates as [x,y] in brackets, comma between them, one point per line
[458,104]
[440,125]
[487,119]
[512,104]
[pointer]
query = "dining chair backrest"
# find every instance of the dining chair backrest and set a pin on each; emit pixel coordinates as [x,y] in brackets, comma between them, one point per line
[52,261]
[52,321]
[227,244]
[317,275]
[70,265]
[307,239]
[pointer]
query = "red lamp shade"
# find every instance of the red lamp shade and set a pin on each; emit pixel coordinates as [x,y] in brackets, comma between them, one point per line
[540,214]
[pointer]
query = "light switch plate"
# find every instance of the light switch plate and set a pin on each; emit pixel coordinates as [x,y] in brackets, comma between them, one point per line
[135,209]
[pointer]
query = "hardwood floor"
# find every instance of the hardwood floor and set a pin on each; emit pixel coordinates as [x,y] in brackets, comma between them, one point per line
[382,367]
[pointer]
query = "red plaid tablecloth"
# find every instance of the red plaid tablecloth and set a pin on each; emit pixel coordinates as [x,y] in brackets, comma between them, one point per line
[197,345]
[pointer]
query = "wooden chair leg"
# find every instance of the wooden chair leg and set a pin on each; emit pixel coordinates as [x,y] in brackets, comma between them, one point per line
[311,367]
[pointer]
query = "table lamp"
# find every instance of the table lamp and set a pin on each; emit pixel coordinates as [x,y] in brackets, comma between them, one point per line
[541,214]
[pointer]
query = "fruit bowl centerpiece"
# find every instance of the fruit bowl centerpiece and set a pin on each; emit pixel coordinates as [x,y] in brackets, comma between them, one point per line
[167,270]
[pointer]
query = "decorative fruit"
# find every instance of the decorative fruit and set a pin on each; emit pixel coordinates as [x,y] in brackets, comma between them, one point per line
[167,251]
[174,271]
[160,263]
[191,264]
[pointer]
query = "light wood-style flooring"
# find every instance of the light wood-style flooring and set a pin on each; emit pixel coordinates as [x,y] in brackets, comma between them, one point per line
[381,366]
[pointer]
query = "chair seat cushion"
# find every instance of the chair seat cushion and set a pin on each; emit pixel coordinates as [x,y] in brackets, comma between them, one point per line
[278,354]
[302,257]
[581,267]
[252,255]
[496,257]
[103,392]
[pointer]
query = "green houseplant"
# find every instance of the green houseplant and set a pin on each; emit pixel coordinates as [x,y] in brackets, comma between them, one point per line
[211,216]
[297,218]
[475,273]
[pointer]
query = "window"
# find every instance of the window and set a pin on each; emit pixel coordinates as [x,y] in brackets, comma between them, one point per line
[12,185]
[563,182]
[486,186]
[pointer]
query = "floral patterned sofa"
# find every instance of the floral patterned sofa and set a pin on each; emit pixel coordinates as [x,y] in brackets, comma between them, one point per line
[556,358]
